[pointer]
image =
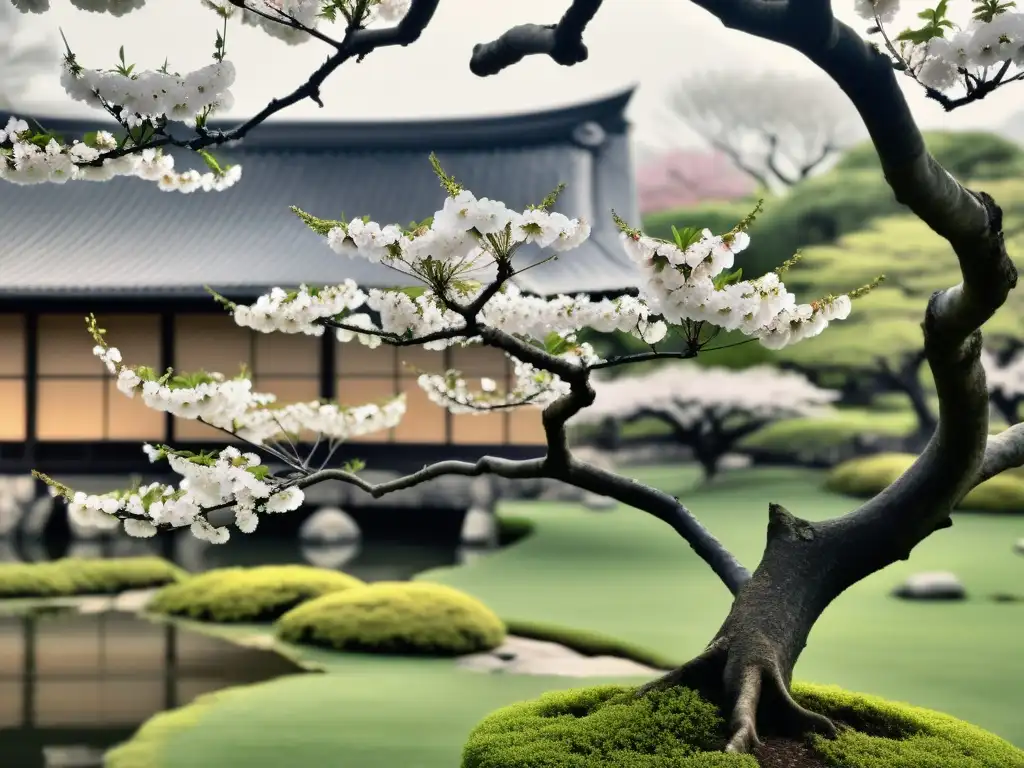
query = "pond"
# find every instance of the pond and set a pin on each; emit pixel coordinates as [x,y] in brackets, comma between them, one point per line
[388,545]
[73,685]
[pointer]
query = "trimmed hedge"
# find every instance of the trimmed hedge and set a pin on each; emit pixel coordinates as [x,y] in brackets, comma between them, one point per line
[608,725]
[77,576]
[411,618]
[513,528]
[868,475]
[248,594]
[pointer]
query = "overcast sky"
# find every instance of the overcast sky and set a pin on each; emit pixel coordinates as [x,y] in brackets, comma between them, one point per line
[649,43]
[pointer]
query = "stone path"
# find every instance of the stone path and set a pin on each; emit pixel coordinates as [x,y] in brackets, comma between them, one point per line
[522,656]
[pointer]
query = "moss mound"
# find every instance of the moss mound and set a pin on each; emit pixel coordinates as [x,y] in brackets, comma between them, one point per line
[607,726]
[414,618]
[75,576]
[868,475]
[248,594]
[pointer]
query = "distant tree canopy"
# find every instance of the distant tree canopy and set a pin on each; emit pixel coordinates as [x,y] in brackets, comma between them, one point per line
[853,201]
[883,338]
[843,200]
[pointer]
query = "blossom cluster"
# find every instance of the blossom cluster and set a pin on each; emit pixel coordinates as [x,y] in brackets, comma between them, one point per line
[1006,379]
[231,404]
[229,478]
[530,385]
[141,96]
[113,7]
[24,161]
[681,286]
[940,61]
[308,13]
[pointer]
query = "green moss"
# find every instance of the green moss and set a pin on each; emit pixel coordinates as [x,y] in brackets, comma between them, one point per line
[248,594]
[75,576]
[864,477]
[589,643]
[395,617]
[608,726]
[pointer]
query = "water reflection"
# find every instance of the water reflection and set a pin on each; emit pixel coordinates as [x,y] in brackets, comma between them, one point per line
[379,545]
[73,685]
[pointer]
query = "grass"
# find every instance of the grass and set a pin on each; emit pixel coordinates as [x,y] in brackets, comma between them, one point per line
[625,574]
[621,575]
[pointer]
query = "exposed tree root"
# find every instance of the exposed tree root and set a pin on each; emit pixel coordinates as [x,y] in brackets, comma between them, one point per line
[752,688]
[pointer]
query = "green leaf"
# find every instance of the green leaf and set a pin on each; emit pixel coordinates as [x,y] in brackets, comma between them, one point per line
[352,466]
[260,471]
[211,162]
[686,237]
[413,291]
[728,278]
[42,139]
[554,344]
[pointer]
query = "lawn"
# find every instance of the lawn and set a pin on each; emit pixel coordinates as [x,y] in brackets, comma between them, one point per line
[624,574]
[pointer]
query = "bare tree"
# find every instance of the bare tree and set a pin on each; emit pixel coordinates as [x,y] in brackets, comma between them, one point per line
[18,63]
[776,128]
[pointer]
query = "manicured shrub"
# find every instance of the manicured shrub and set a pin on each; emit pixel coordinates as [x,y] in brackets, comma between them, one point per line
[868,475]
[513,529]
[609,726]
[414,618]
[810,435]
[76,576]
[965,154]
[248,594]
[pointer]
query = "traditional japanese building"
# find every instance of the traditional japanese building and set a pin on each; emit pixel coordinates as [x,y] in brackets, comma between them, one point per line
[139,259]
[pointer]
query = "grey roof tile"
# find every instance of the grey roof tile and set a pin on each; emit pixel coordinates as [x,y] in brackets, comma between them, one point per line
[127,237]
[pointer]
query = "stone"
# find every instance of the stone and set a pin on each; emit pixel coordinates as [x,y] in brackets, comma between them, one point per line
[598,503]
[931,585]
[734,461]
[330,556]
[329,525]
[479,527]
[524,656]
[38,515]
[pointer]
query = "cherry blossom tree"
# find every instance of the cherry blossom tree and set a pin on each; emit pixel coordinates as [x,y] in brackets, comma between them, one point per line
[466,254]
[708,409]
[777,129]
[1005,372]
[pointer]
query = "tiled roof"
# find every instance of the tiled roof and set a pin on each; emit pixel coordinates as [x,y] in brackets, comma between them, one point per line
[126,237]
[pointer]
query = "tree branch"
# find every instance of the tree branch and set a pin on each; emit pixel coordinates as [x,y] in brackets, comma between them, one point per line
[356,43]
[1003,451]
[563,42]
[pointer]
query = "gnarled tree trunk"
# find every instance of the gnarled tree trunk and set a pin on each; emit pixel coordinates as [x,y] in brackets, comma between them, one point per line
[748,665]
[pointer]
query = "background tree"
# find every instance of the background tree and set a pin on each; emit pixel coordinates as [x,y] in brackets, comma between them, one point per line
[708,410]
[777,129]
[747,667]
[1005,372]
[881,347]
[19,61]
